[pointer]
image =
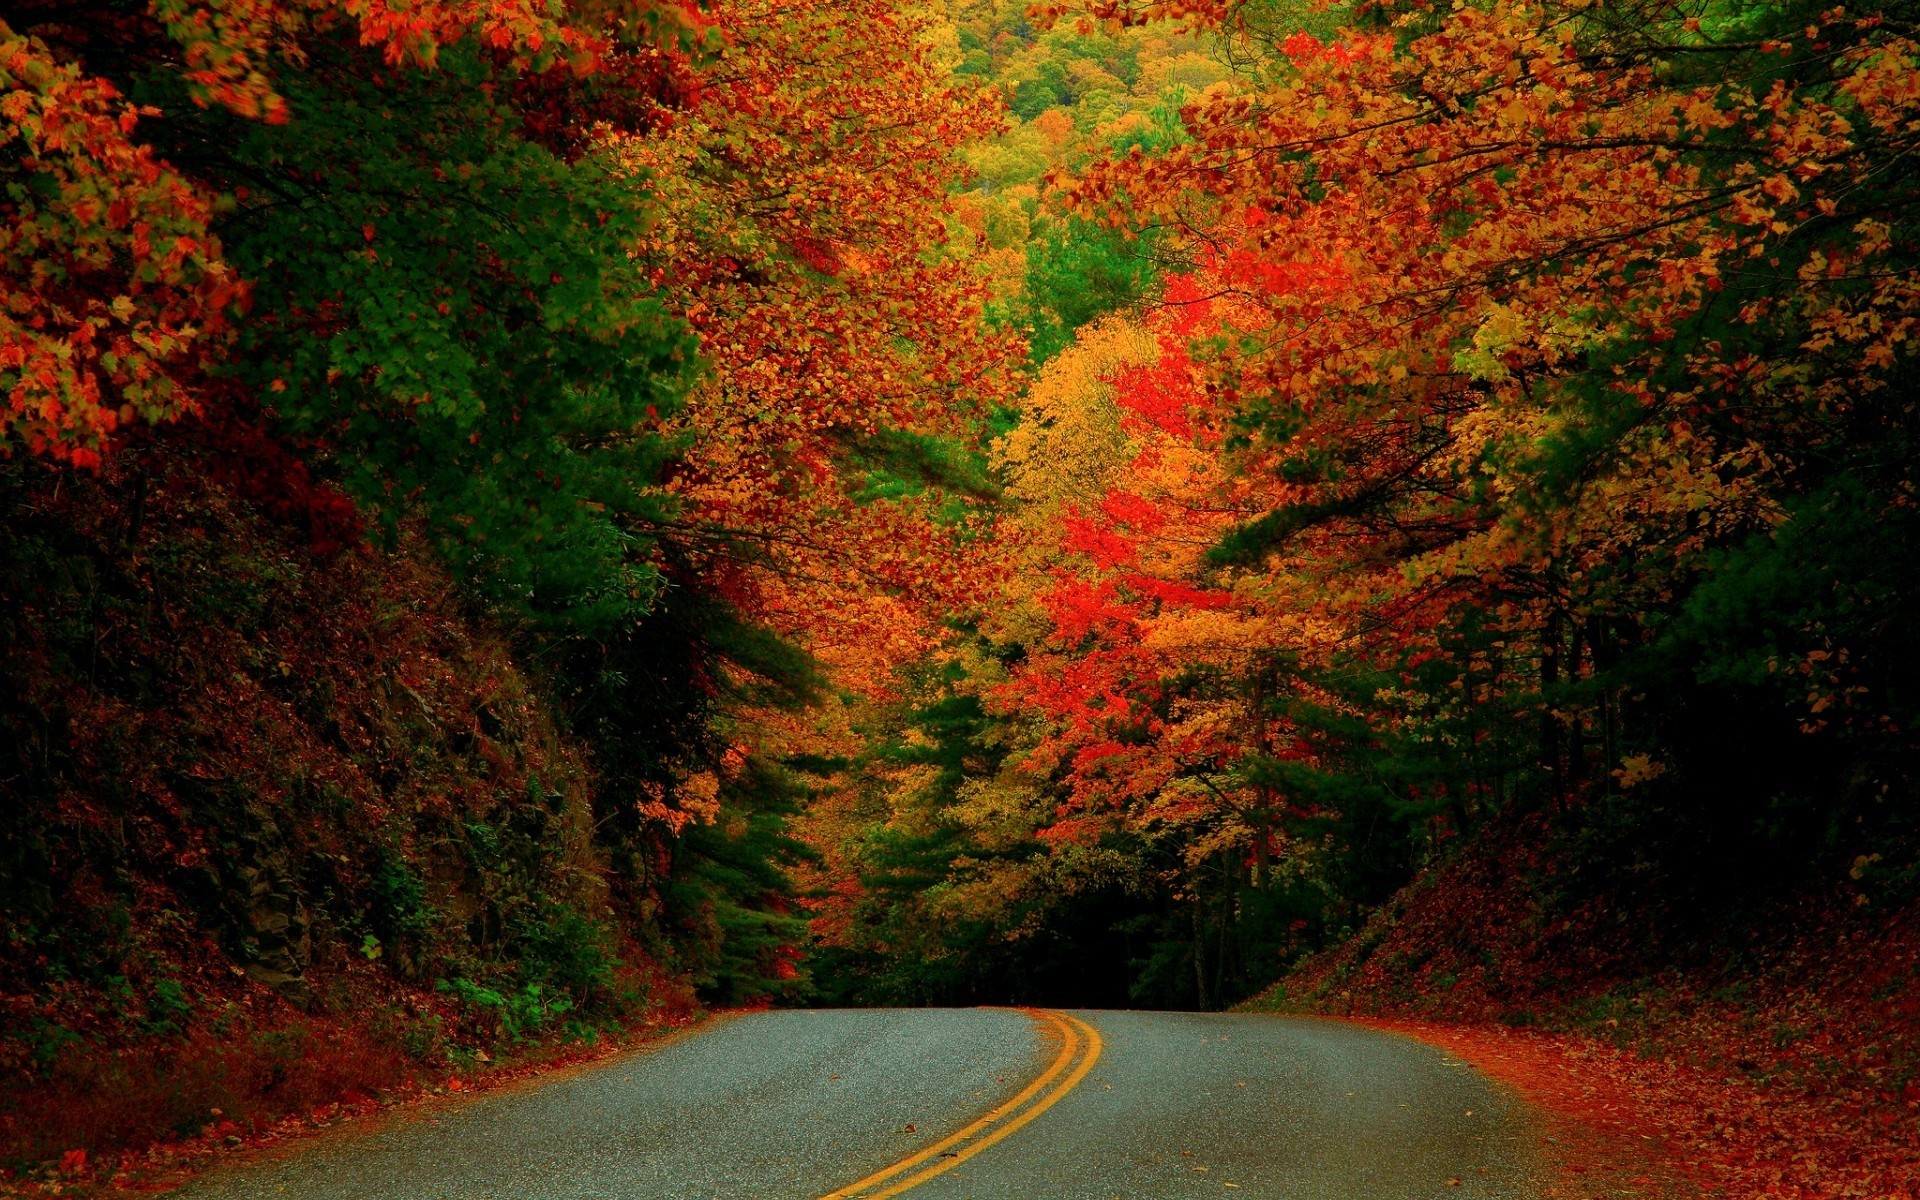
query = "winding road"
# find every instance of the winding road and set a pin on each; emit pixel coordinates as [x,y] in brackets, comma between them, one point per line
[949,1104]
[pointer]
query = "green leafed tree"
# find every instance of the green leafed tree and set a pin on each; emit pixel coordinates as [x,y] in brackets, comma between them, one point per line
[448,311]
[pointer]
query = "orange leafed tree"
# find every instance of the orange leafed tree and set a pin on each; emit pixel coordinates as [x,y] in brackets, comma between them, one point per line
[112,279]
[1520,354]
[808,203]
[1529,291]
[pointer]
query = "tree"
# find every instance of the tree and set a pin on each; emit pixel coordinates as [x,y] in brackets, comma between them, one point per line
[1491,456]
[1547,328]
[117,290]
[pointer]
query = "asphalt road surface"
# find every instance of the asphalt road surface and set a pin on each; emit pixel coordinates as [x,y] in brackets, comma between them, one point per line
[949,1104]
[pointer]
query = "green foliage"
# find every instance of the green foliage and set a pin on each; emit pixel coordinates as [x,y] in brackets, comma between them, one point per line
[399,912]
[1164,128]
[1031,97]
[900,463]
[168,1010]
[513,1014]
[1267,23]
[732,894]
[560,946]
[1077,272]
[451,314]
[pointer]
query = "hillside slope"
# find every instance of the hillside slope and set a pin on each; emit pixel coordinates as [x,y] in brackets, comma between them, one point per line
[1770,1046]
[287,824]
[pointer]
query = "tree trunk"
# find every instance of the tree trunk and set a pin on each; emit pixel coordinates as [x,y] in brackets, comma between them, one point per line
[1199,952]
[1549,723]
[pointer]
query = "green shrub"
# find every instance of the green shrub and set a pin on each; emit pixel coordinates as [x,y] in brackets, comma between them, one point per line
[566,948]
[169,1010]
[512,1015]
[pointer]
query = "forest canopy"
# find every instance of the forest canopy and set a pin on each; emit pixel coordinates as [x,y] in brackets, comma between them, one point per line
[964,502]
[1502,419]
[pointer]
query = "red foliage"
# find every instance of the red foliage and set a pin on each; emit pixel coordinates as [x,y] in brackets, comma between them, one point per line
[1080,607]
[1162,394]
[1616,1115]
[1105,545]
[110,279]
[255,463]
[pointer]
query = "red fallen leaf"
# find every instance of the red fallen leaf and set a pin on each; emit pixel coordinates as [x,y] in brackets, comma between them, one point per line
[73,1162]
[456,1084]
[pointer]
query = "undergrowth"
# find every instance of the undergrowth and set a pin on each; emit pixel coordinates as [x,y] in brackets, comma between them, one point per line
[287,825]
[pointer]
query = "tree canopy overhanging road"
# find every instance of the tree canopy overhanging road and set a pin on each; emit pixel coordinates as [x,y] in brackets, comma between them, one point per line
[523,521]
[952,1104]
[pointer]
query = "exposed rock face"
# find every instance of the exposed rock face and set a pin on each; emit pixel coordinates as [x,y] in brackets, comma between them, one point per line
[275,943]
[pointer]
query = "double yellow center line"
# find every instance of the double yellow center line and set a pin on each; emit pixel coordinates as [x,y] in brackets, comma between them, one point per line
[1079,1050]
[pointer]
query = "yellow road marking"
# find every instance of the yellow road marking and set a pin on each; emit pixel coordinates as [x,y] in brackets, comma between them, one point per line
[1068,1044]
[1071,1044]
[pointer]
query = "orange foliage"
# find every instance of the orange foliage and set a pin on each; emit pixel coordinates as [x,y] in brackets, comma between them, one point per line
[1427,247]
[1137,656]
[109,278]
[1419,246]
[807,202]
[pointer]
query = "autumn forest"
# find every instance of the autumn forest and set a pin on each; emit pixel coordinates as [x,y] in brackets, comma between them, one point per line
[524,522]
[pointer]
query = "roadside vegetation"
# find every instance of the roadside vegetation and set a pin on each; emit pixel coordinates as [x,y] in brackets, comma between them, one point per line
[428,429]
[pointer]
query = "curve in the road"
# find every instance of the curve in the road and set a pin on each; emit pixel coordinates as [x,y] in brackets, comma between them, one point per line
[927,1103]
[1075,1035]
